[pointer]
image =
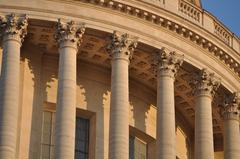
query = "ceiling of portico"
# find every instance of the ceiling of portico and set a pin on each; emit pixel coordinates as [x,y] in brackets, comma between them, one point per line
[93,50]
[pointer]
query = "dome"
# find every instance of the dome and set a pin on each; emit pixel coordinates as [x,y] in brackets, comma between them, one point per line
[128,79]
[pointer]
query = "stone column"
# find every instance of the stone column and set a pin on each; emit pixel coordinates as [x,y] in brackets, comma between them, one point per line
[69,37]
[205,86]
[120,49]
[13,30]
[230,114]
[167,65]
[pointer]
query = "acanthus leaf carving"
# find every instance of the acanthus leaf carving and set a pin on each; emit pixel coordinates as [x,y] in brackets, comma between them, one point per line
[122,45]
[167,63]
[231,108]
[69,32]
[178,28]
[13,26]
[205,83]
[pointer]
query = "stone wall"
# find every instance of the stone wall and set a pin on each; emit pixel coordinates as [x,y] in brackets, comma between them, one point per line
[39,91]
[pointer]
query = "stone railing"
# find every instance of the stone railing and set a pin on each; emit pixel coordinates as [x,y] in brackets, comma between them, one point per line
[201,18]
[154,1]
[222,33]
[183,8]
[214,26]
[190,11]
[202,33]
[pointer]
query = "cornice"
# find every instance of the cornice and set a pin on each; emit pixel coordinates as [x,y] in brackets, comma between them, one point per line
[174,27]
[183,31]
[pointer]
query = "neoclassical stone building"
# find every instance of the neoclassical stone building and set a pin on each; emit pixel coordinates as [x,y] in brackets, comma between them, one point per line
[117,79]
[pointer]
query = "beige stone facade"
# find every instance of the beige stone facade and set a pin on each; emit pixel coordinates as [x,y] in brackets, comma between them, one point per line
[152,78]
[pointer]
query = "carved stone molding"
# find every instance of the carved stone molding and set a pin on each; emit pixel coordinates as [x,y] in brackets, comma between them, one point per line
[222,33]
[231,107]
[190,10]
[69,34]
[13,27]
[167,63]
[122,45]
[174,27]
[205,83]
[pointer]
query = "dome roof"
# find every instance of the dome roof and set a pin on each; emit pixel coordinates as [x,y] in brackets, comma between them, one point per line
[196,2]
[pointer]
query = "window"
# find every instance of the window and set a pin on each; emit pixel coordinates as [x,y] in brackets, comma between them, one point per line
[47,146]
[137,148]
[81,138]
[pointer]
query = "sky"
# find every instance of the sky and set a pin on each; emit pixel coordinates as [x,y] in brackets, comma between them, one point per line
[227,11]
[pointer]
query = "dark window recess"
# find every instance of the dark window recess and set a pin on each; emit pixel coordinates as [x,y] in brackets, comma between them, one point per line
[137,148]
[82,138]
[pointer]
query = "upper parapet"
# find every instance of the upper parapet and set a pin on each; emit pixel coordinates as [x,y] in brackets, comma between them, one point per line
[193,2]
[196,2]
[181,17]
[192,11]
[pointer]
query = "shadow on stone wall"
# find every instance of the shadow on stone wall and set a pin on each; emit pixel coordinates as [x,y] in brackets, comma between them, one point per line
[94,96]
[140,105]
[34,57]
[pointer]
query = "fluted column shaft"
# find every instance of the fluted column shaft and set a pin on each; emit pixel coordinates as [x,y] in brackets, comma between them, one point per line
[166,141]
[205,88]
[231,139]
[230,114]
[66,104]
[66,98]
[14,30]
[167,66]
[203,128]
[119,110]
[120,50]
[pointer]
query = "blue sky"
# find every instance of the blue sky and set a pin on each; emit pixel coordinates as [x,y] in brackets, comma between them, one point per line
[227,11]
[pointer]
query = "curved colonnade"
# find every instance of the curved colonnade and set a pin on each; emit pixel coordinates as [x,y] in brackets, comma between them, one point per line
[174,44]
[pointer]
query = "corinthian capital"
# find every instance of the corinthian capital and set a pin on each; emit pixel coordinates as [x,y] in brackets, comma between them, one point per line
[231,107]
[206,83]
[13,27]
[69,33]
[167,63]
[122,45]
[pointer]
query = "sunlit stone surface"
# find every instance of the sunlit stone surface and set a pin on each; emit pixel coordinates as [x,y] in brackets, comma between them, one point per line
[149,79]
